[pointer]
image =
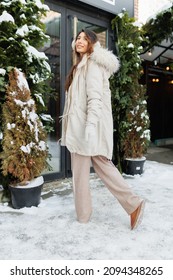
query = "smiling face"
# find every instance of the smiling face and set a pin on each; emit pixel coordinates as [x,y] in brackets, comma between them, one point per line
[81,43]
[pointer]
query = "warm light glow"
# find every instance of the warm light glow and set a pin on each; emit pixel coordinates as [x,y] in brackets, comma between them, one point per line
[167,68]
[155,80]
[171,82]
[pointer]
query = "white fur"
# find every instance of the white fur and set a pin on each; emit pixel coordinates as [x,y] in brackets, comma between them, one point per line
[105,58]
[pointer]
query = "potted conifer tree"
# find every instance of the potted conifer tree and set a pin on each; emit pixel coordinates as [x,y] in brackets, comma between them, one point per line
[129,104]
[24,148]
[22,34]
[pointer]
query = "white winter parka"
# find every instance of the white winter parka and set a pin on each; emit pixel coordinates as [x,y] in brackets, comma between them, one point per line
[88,101]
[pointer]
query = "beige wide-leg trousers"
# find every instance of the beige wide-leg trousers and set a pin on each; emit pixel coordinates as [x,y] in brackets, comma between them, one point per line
[110,176]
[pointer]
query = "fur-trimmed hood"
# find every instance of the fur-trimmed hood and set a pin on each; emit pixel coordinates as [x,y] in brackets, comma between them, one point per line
[102,57]
[105,58]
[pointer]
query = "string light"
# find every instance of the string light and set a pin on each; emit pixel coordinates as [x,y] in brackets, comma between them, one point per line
[155,80]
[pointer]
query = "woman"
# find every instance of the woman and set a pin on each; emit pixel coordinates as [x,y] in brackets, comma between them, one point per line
[87,127]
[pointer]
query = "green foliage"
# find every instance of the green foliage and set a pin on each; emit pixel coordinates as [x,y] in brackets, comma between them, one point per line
[22,33]
[159,28]
[127,94]
[137,136]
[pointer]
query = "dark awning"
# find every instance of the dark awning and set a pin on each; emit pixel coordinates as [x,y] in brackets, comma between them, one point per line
[162,53]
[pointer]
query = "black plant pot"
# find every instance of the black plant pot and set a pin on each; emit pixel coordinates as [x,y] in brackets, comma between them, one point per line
[134,166]
[26,196]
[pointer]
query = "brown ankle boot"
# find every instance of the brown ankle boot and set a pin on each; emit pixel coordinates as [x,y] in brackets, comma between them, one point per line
[136,216]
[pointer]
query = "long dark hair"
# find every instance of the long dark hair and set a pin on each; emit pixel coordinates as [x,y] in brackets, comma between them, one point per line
[92,39]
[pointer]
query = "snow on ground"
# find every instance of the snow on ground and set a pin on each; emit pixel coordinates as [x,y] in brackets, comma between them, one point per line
[51,231]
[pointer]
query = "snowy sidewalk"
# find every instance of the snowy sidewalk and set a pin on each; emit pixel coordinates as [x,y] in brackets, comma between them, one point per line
[51,231]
